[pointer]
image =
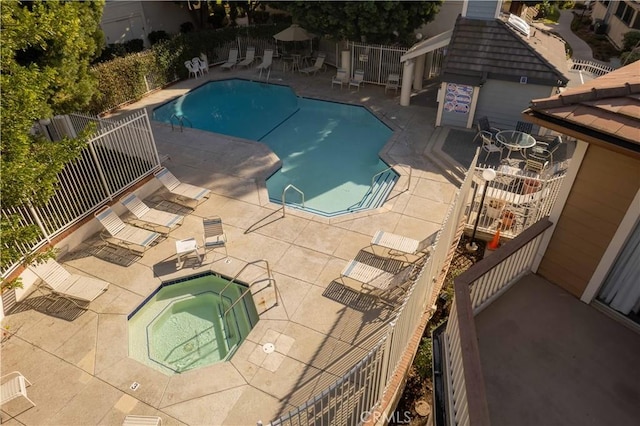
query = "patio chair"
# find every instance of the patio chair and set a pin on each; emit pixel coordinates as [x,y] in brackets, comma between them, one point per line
[535,166]
[399,245]
[204,63]
[483,125]
[184,192]
[231,61]
[214,236]
[372,280]
[524,127]
[488,144]
[358,79]
[340,78]
[393,82]
[249,58]
[14,387]
[543,151]
[316,66]
[153,219]
[267,60]
[192,70]
[62,284]
[132,420]
[118,233]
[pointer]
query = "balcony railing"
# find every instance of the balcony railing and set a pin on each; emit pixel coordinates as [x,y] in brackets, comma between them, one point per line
[465,397]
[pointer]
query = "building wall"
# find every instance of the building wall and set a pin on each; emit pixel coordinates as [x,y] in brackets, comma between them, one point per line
[483,9]
[165,16]
[601,195]
[503,101]
[444,20]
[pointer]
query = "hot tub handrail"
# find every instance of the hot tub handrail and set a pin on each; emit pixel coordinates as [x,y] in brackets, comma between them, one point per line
[283,198]
[244,293]
[269,275]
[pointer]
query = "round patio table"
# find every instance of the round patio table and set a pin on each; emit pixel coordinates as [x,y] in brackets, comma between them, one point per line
[515,140]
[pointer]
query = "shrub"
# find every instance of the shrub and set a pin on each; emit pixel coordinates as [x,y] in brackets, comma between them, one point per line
[134,46]
[630,40]
[217,18]
[186,27]
[156,37]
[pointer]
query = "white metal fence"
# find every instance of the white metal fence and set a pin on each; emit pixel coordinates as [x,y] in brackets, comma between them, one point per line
[514,200]
[120,154]
[592,67]
[351,398]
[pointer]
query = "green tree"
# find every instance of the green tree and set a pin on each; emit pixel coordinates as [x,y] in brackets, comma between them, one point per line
[45,57]
[383,22]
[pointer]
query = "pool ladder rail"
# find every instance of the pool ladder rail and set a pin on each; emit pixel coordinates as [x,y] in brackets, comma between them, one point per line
[381,184]
[180,119]
[284,194]
[269,278]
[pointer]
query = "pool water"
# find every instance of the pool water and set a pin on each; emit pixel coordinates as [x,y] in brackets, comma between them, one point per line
[182,326]
[329,150]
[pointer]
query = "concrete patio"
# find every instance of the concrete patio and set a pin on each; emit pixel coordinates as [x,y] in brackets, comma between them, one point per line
[79,367]
[549,359]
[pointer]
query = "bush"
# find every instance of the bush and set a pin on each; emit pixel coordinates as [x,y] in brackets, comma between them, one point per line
[260,17]
[186,27]
[156,37]
[630,40]
[217,18]
[134,46]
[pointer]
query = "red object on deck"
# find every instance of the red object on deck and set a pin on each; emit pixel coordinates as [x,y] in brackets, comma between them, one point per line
[495,243]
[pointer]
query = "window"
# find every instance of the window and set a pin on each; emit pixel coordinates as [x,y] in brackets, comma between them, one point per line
[636,24]
[625,12]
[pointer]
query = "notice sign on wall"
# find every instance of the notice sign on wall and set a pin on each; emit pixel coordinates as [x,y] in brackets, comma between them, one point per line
[363,57]
[458,98]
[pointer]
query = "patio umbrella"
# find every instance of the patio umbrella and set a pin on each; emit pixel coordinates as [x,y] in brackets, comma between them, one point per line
[294,33]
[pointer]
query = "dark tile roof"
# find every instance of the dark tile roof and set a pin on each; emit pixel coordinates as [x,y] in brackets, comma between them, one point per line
[491,49]
[602,111]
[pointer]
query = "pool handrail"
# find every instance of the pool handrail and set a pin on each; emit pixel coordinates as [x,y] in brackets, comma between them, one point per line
[269,278]
[283,198]
[181,119]
[373,179]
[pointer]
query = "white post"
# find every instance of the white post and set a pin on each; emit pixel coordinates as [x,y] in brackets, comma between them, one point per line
[407,79]
[346,61]
[419,72]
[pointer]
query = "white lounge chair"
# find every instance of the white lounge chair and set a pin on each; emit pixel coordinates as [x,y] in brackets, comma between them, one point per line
[66,285]
[393,82]
[118,233]
[340,78]
[316,66]
[358,79]
[249,58]
[132,420]
[373,280]
[400,245]
[267,60]
[184,192]
[14,387]
[214,235]
[231,61]
[153,219]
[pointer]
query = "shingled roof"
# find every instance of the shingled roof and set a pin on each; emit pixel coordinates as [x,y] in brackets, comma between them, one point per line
[490,49]
[604,111]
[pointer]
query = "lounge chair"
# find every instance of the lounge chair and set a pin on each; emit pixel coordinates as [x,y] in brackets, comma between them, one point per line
[118,233]
[372,280]
[249,58]
[146,217]
[358,79]
[184,192]
[340,78]
[63,284]
[14,387]
[231,61]
[267,60]
[214,236]
[132,420]
[400,245]
[393,82]
[316,66]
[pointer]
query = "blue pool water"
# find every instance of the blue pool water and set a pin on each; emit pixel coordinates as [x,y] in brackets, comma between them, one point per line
[328,150]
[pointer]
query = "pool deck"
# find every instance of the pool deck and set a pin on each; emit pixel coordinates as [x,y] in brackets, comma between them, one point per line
[79,368]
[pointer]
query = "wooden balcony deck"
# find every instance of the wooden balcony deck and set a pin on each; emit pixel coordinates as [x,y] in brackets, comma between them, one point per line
[549,359]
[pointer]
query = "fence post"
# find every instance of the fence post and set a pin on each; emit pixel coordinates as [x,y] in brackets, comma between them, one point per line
[99,169]
[34,213]
[153,141]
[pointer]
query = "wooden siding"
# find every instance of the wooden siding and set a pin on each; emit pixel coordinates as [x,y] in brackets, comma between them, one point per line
[600,197]
[504,101]
[482,9]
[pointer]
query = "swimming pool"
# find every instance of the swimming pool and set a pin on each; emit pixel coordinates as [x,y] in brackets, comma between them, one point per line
[329,150]
[190,323]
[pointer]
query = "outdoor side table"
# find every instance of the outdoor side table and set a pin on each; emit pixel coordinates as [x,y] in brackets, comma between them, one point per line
[184,248]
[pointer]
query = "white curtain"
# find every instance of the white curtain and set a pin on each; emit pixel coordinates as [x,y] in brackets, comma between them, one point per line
[621,289]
